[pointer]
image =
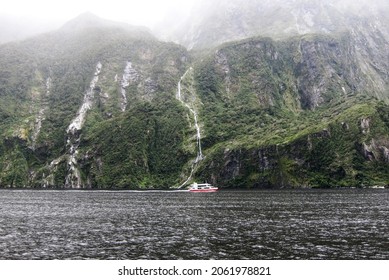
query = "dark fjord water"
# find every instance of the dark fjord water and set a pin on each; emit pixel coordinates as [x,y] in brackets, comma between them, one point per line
[282,224]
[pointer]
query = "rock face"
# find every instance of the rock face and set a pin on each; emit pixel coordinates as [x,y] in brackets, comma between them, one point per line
[305,72]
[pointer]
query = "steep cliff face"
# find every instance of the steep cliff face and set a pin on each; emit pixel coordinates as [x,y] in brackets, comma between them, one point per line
[287,113]
[271,80]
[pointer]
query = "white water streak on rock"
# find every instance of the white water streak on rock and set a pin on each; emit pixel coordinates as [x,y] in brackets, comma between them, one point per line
[48,85]
[178,95]
[73,178]
[40,117]
[78,122]
[129,75]
[198,130]
[37,127]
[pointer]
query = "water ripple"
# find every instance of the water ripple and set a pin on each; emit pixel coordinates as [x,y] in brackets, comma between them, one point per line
[282,224]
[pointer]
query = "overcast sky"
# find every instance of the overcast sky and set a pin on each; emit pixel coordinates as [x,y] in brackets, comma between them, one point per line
[139,12]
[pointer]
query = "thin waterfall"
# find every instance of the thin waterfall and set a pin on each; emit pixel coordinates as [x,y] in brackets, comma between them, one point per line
[198,136]
[199,156]
[73,178]
[40,115]
[130,76]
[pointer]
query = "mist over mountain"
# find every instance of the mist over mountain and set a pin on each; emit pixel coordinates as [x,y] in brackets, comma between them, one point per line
[214,22]
[256,94]
[89,20]
[14,28]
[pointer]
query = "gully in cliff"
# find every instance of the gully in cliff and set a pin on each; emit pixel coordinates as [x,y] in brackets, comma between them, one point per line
[202,188]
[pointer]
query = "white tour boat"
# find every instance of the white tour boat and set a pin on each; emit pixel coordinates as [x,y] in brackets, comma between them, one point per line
[195,187]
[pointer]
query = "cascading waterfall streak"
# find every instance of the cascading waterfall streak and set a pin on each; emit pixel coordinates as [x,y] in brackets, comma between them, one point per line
[73,178]
[199,156]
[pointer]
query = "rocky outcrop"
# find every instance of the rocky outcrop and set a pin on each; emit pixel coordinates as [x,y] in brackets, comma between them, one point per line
[365,125]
